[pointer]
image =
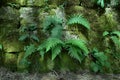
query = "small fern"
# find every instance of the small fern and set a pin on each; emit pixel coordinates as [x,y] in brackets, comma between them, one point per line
[77,49]
[53,26]
[51,44]
[0,47]
[28,51]
[99,61]
[113,36]
[28,33]
[101,3]
[78,19]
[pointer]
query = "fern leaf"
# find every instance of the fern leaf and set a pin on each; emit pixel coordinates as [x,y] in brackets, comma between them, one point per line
[101,3]
[78,43]
[0,46]
[94,66]
[51,42]
[56,51]
[105,33]
[56,32]
[116,33]
[74,53]
[116,40]
[77,19]
[50,22]
[33,36]
[29,50]
[23,37]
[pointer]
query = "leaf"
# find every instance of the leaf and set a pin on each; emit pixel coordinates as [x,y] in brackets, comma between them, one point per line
[94,67]
[101,3]
[56,32]
[105,33]
[51,42]
[33,36]
[74,53]
[115,40]
[56,51]
[23,37]
[51,20]
[116,33]
[0,46]
[29,50]
[78,43]
[78,19]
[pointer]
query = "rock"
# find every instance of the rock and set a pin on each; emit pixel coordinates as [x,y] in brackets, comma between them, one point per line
[10,61]
[12,46]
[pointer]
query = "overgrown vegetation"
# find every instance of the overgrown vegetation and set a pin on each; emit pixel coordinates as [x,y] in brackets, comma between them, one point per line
[99,61]
[53,26]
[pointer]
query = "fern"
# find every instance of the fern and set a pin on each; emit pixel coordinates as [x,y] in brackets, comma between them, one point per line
[53,26]
[28,33]
[0,47]
[113,36]
[51,44]
[77,49]
[28,51]
[99,61]
[78,19]
[101,3]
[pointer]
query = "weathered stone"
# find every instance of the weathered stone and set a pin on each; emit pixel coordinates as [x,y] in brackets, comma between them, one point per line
[10,61]
[32,2]
[12,46]
[20,66]
[108,21]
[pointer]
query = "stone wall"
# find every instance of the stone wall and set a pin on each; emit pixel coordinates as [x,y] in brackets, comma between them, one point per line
[15,14]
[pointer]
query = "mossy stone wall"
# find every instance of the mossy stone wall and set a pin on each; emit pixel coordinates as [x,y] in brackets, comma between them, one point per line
[17,13]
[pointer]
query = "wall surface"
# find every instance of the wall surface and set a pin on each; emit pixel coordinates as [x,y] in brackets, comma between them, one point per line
[15,14]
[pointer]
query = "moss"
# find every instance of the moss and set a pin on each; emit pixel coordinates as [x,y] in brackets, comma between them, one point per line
[10,61]
[67,63]
[12,46]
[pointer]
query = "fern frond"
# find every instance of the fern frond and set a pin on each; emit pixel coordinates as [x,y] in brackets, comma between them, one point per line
[56,51]
[29,50]
[34,37]
[75,53]
[78,19]
[53,44]
[56,32]
[23,37]
[117,33]
[78,43]
[101,3]
[50,22]
[105,33]
[0,46]
[115,40]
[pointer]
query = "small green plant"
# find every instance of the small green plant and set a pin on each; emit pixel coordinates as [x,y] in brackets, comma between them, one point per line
[28,51]
[99,61]
[54,26]
[0,47]
[77,49]
[112,40]
[101,3]
[29,33]
[51,44]
[78,19]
